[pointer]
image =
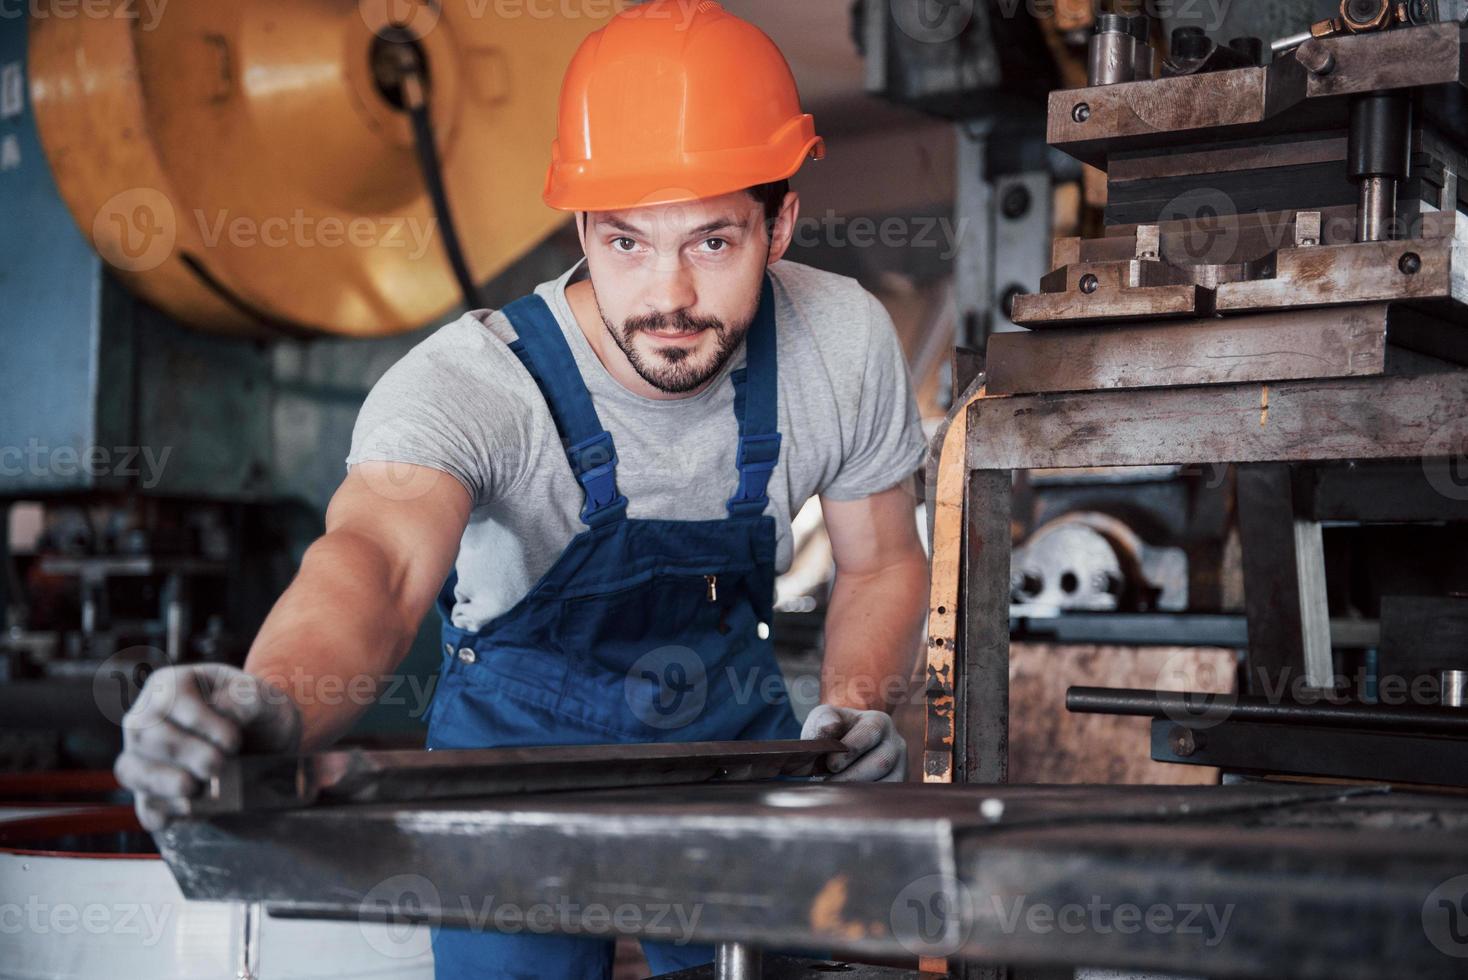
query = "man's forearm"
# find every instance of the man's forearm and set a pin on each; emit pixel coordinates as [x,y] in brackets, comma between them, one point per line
[334,634]
[873,628]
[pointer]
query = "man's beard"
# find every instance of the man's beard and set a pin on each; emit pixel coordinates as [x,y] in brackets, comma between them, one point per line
[675,371]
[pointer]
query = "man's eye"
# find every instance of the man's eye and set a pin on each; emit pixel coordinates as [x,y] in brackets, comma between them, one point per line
[623,244]
[716,244]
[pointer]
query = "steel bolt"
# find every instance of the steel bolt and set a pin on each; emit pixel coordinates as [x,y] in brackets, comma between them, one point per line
[1316,57]
[1016,202]
[1184,741]
[1410,263]
[1089,283]
[1081,112]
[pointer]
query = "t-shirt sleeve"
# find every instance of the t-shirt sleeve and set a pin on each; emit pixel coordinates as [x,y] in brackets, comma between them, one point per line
[449,405]
[887,443]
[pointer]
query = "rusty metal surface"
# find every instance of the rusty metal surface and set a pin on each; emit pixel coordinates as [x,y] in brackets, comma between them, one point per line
[256,782]
[1265,347]
[1348,418]
[1364,272]
[883,870]
[1282,97]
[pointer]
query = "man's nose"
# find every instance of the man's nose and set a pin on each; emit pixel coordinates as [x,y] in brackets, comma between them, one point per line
[671,289]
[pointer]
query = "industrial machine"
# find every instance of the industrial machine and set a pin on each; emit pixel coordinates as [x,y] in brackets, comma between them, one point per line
[1302,319]
[235,218]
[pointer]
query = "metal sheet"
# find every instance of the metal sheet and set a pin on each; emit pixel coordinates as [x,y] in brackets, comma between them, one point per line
[856,867]
[361,776]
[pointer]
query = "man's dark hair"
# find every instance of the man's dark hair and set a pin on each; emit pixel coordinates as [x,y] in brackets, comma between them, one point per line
[771,195]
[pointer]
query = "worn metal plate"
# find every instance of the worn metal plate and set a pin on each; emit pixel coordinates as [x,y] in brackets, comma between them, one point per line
[1282,97]
[1345,418]
[1267,347]
[886,870]
[361,776]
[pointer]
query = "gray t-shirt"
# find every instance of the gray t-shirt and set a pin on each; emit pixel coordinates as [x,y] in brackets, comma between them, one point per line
[461,402]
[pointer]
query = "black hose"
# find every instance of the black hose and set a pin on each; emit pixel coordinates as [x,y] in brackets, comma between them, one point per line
[416,102]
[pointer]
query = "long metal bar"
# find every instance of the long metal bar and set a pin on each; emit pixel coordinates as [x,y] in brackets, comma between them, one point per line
[1248,747]
[886,870]
[1203,707]
[359,776]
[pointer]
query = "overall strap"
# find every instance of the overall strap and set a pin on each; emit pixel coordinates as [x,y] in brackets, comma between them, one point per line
[542,348]
[756,404]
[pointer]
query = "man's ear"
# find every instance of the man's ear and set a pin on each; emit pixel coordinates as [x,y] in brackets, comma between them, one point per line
[783,230]
[581,221]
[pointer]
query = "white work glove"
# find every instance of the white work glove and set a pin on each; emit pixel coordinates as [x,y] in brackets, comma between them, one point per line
[186,722]
[877,753]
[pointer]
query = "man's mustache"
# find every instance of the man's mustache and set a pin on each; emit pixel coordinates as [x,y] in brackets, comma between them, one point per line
[680,322]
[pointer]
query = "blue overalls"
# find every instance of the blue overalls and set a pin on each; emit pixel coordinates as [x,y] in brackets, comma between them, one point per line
[643,630]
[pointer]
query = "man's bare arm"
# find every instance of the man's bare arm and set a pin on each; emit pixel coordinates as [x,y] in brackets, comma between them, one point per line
[392,532]
[350,615]
[878,601]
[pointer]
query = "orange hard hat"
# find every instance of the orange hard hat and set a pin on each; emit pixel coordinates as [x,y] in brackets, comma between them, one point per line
[675,100]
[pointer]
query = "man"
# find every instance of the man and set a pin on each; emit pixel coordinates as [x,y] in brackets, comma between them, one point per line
[609,468]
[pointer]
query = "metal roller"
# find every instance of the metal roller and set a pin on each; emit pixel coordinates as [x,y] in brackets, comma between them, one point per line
[249,168]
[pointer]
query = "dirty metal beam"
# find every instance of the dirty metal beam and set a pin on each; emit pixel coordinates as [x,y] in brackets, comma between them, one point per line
[885,870]
[1347,418]
[1267,347]
[1301,750]
[983,661]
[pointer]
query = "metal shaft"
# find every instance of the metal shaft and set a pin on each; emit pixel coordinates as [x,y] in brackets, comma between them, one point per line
[1195,706]
[1376,209]
[1454,688]
[738,961]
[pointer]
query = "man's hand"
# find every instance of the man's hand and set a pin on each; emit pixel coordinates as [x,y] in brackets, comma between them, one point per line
[877,753]
[187,721]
